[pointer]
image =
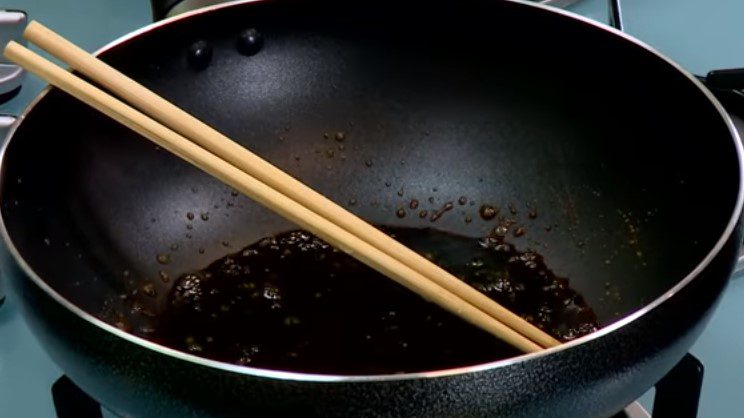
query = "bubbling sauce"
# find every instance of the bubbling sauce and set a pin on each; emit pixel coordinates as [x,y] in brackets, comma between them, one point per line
[293,302]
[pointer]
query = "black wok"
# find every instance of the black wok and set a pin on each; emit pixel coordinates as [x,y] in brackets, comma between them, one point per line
[631,163]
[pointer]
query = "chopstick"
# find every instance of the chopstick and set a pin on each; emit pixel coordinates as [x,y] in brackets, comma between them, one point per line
[262,193]
[215,142]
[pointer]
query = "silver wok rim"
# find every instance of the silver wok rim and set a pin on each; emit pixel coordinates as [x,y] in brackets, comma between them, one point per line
[187,6]
[309,377]
[559,3]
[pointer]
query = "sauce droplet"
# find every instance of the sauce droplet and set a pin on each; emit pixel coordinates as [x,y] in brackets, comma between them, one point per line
[149,290]
[438,214]
[487,212]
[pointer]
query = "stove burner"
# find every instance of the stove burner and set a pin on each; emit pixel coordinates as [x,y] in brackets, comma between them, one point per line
[71,402]
[678,393]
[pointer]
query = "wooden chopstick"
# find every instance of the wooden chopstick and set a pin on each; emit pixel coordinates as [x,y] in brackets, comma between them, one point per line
[222,146]
[262,193]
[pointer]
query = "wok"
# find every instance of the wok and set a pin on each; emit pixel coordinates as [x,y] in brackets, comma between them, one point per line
[632,164]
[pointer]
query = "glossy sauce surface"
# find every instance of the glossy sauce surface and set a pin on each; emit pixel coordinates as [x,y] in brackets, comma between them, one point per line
[293,302]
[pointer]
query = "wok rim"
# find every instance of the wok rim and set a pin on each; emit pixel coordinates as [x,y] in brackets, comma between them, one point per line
[451,372]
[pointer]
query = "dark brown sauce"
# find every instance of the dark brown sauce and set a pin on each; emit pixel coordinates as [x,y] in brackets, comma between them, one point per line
[293,302]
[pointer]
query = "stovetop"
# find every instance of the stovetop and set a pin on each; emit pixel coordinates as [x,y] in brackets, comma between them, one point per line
[699,35]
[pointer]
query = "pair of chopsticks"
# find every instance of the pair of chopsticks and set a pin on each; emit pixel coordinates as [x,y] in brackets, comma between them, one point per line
[182,134]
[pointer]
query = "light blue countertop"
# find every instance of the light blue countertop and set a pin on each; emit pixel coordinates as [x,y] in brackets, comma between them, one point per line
[700,35]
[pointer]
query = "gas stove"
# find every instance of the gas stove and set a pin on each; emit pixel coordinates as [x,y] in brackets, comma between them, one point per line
[695,34]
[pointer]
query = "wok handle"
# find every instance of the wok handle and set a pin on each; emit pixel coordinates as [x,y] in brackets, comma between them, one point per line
[739,265]
[160,8]
[6,122]
[12,23]
[167,8]
[678,392]
[732,79]
[615,14]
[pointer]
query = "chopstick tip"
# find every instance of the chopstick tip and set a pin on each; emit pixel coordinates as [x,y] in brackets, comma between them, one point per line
[31,28]
[10,49]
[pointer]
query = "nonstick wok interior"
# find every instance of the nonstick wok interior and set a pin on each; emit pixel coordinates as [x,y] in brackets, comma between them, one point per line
[623,160]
